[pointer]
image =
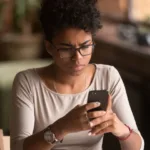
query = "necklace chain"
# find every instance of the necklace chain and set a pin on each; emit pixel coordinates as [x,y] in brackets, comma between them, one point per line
[56,90]
[55,86]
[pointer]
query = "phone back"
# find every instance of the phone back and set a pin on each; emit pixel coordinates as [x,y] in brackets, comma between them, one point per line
[99,96]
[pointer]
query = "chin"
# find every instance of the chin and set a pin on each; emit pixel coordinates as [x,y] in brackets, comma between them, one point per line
[76,72]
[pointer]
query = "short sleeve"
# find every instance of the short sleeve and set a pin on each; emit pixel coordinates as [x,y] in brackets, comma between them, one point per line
[121,104]
[22,111]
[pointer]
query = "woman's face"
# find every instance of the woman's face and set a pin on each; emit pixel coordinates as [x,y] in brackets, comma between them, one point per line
[62,46]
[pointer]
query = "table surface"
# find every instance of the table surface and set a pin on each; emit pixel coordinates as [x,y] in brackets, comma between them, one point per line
[9,69]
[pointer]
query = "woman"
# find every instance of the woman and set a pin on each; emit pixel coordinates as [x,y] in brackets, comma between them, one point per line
[50,109]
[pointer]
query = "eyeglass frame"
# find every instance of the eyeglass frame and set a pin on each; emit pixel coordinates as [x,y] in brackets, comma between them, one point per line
[75,49]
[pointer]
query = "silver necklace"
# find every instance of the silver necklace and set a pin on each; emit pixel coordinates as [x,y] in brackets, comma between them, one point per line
[56,90]
[55,86]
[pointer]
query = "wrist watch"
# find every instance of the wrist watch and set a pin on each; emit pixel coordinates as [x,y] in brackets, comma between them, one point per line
[50,137]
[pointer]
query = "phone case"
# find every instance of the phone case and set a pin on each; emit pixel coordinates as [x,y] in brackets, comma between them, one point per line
[99,96]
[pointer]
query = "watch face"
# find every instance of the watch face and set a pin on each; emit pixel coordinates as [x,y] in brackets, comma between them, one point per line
[48,136]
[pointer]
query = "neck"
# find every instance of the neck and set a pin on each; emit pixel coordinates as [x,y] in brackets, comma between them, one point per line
[68,79]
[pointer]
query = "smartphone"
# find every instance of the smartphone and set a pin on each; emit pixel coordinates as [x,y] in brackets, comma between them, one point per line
[99,96]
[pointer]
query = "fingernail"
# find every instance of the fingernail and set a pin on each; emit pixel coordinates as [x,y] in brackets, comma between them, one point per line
[91,124]
[89,133]
[98,103]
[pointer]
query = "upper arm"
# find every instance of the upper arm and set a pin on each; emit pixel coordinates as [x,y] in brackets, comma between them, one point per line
[22,112]
[121,104]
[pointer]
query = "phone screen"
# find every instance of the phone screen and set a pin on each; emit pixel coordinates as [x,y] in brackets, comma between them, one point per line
[99,96]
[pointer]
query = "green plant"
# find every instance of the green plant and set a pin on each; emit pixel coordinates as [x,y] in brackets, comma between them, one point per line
[25,14]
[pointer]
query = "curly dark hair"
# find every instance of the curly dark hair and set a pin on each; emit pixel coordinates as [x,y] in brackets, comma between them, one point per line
[56,15]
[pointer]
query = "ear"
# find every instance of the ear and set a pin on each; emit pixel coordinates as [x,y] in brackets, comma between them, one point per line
[48,47]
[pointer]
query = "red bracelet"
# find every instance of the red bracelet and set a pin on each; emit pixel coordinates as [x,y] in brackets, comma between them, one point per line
[125,138]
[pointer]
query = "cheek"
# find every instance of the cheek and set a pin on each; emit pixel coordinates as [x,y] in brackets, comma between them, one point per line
[60,62]
[56,57]
[88,58]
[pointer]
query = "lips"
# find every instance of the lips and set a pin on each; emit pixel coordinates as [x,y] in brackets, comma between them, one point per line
[77,67]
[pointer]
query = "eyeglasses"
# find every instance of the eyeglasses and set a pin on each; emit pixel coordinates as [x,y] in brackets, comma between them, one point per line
[70,52]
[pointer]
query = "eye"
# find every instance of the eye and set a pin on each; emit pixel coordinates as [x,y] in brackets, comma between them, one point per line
[85,47]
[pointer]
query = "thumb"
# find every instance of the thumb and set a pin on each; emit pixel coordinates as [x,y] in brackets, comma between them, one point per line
[109,106]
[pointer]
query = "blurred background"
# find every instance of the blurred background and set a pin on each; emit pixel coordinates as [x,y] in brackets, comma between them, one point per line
[124,42]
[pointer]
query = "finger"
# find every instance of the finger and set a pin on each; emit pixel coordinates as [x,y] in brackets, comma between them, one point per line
[109,106]
[106,130]
[87,122]
[87,119]
[102,119]
[96,114]
[102,126]
[86,125]
[92,105]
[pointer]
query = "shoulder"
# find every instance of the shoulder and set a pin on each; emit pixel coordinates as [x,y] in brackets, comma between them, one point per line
[106,68]
[26,79]
[24,83]
[108,73]
[28,74]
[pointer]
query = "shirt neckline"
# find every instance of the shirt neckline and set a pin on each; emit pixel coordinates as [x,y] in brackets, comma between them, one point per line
[60,94]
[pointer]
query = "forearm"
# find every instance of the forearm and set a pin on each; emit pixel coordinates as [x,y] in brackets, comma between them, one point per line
[37,142]
[134,142]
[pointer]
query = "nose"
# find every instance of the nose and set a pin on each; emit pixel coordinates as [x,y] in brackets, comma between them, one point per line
[77,56]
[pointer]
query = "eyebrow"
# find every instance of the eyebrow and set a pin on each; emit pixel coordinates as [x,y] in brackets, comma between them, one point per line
[70,45]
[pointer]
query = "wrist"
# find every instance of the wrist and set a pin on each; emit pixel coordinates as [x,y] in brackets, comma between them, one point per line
[126,134]
[58,130]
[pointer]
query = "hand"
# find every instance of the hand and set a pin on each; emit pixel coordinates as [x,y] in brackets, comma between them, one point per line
[76,120]
[108,123]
